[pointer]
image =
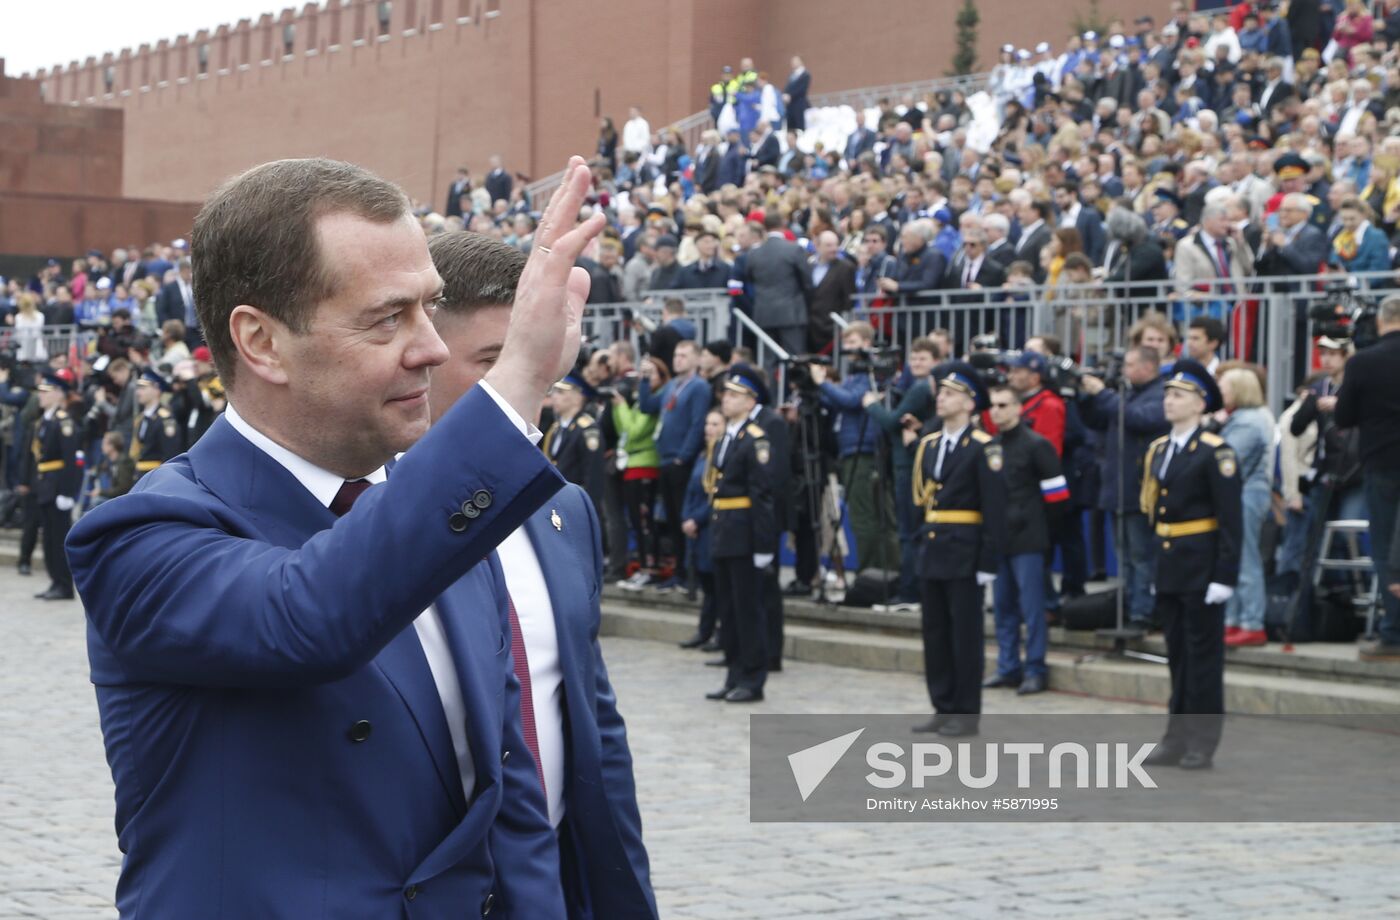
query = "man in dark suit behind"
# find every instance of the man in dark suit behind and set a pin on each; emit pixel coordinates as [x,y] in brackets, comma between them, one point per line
[766,149]
[734,162]
[833,285]
[460,186]
[707,160]
[708,271]
[974,269]
[176,301]
[552,567]
[1035,234]
[795,95]
[861,140]
[498,181]
[1296,247]
[777,273]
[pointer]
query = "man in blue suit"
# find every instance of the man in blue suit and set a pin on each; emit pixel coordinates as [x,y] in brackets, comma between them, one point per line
[309,708]
[554,571]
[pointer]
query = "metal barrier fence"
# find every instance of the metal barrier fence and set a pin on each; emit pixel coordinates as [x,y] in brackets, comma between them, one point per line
[37,345]
[1268,319]
[605,323]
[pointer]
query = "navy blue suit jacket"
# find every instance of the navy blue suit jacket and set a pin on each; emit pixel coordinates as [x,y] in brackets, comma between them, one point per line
[277,740]
[602,827]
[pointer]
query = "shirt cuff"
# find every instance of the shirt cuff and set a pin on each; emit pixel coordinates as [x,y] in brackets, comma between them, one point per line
[524,427]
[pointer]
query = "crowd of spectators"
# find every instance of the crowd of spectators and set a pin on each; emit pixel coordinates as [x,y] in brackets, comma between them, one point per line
[1198,153]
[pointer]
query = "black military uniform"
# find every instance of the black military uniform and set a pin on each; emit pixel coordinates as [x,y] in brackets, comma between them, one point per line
[1292,166]
[1191,495]
[575,446]
[775,430]
[56,477]
[743,523]
[156,435]
[959,490]
[1174,227]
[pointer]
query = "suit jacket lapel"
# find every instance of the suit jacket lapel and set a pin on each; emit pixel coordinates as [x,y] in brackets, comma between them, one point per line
[287,515]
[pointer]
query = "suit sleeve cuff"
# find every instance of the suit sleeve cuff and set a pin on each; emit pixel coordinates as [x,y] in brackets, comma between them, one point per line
[524,427]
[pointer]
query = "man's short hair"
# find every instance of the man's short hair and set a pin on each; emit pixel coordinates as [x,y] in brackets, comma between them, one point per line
[687,343]
[1007,389]
[477,271]
[255,242]
[720,348]
[927,345]
[773,220]
[1146,354]
[1389,311]
[674,306]
[876,231]
[118,364]
[860,328]
[117,440]
[1214,328]
[1052,343]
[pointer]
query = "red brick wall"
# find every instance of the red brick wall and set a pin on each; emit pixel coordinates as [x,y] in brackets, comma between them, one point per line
[528,82]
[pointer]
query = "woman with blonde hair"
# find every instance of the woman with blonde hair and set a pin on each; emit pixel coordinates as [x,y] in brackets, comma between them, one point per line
[1249,429]
[29,329]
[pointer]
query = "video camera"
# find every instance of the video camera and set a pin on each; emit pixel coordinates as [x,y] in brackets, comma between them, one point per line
[1346,315]
[799,371]
[882,362]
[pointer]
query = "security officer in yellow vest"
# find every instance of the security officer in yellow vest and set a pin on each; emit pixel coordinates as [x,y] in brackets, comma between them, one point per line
[157,431]
[56,478]
[743,535]
[959,490]
[1191,495]
[574,443]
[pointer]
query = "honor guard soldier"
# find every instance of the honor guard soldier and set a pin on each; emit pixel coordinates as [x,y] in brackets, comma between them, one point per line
[775,430]
[958,487]
[574,443]
[1291,175]
[743,535]
[1191,496]
[56,478]
[157,432]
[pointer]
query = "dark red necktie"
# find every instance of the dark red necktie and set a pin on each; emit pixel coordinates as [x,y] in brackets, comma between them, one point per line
[350,490]
[527,699]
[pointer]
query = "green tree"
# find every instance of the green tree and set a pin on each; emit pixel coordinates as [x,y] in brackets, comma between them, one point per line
[1090,20]
[965,57]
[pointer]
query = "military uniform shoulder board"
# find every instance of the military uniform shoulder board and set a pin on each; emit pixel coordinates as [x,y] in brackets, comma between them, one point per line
[755,430]
[585,420]
[1180,224]
[592,437]
[994,458]
[1158,443]
[61,414]
[1210,439]
[163,412]
[1225,460]
[980,436]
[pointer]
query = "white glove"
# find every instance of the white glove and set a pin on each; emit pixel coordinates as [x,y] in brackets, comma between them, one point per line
[64,503]
[762,560]
[985,578]
[1218,594]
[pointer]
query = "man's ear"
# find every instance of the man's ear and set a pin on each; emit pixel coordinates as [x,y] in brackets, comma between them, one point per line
[259,340]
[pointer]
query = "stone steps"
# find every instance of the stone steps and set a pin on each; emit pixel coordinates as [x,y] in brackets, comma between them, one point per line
[1314,680]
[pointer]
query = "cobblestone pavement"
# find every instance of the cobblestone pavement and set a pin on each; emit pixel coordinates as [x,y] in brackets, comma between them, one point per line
[58,857]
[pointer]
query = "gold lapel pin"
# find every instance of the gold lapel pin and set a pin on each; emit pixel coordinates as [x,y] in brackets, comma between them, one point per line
[556,520]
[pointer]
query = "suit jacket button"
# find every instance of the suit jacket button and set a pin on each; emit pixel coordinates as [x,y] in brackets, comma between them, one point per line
[458,523]
[360,731]
[482,499]
[410,892]
[489,903]
[470,512]
[1166,544]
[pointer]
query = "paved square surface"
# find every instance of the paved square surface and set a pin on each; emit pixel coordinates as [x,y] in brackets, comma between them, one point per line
[58,857]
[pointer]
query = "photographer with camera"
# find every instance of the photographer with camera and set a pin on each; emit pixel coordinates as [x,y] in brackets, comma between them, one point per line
[1369,400]
[867,499]
[903,425]
[1139,405]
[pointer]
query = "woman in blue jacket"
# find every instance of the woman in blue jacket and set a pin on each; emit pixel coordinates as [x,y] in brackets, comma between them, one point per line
[1249,429]
[695,522]
[1359,247]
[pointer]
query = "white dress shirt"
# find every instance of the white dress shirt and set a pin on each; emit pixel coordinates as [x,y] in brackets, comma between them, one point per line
[530,594]
[323,486]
